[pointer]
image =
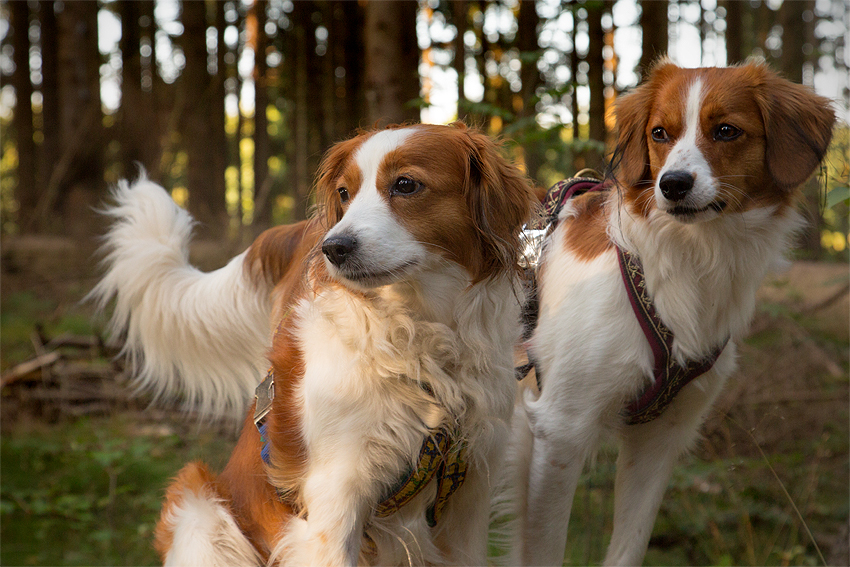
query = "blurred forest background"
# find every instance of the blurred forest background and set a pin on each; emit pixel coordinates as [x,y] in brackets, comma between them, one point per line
[230,105]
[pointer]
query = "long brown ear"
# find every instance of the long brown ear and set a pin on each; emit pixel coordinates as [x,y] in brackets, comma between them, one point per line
[630,161]
[329,207]
[500,201]
[798,127]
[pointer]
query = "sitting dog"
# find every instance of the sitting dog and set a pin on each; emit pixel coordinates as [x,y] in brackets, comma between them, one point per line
[646,285]
[393,313]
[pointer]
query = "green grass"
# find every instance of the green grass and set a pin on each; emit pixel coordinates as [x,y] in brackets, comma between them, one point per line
[725,511]
[88,492]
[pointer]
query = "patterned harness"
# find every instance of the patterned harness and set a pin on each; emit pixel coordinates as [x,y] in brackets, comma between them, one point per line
[669,377]
[441,457]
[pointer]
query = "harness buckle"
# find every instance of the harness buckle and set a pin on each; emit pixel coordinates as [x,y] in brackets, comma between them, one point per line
[264,395]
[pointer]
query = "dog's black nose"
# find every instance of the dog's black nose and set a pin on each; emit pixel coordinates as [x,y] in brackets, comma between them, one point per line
[675,185]
[338,248]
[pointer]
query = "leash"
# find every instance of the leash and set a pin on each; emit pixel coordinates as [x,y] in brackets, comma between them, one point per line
[669,377]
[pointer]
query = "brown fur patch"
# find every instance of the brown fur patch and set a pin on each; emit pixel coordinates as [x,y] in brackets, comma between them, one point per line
[284,429]
[194,477]
[258,510]
[586,235]
[473,202]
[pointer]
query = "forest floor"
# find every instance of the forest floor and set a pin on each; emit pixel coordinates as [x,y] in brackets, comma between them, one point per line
[769,484]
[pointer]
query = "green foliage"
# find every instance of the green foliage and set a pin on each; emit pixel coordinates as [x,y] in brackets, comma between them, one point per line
[89,492]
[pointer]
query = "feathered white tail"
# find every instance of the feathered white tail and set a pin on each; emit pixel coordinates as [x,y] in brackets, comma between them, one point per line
[194,336]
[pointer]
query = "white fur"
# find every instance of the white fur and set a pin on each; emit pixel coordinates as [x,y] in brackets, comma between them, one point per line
[205,533]
[594,360]
[200,335]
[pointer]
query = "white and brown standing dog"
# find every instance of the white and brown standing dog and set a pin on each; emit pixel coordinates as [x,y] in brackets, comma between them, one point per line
[706,172]
[383,418]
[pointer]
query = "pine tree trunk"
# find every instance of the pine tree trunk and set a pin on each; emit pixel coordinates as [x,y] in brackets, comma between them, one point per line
[392,61]
[50,147]
[137,117]
[302,26]
[26,191]
[262,182]
[219,157]
[76,186]
[206,204]
[791,65]
[527,24]
[734,31]
[595,81]
[460,12]
[653,23]
[346,45]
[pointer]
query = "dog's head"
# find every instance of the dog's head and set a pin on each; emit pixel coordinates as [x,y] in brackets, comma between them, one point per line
[400,200]
[701,143]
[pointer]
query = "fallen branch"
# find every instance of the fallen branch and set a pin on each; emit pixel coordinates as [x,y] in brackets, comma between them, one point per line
[25,368]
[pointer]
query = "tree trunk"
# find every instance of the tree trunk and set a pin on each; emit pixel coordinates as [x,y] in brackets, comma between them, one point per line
[793,59]
[595,81]
[262,182]
[527,24]
[460,12]
[734,31]
[392,61]
[205,203]
[653,23]
[26,191]
[219,159]
[76,185]
[50,147]
[574,79]
[351,56]
[302,28]
[137,117]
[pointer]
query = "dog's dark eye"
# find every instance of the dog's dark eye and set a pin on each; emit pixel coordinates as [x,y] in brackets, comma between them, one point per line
[343,194]
[726,133]
[659,134]
[405,186]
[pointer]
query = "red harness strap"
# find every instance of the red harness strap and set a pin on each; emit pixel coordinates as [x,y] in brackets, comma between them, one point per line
[669,376]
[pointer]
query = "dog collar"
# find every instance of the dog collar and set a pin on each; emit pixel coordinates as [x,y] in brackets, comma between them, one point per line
[557,196]
[669,377]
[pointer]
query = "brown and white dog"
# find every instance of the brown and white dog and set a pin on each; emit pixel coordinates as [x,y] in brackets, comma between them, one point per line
[394,314]
[706,174]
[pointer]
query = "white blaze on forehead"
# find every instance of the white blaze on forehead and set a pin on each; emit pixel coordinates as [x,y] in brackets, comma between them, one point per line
[367,206]
[692,112]
[370,155]
[687,156]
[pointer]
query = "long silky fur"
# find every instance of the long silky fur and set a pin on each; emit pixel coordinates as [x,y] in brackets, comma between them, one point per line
[187,334]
